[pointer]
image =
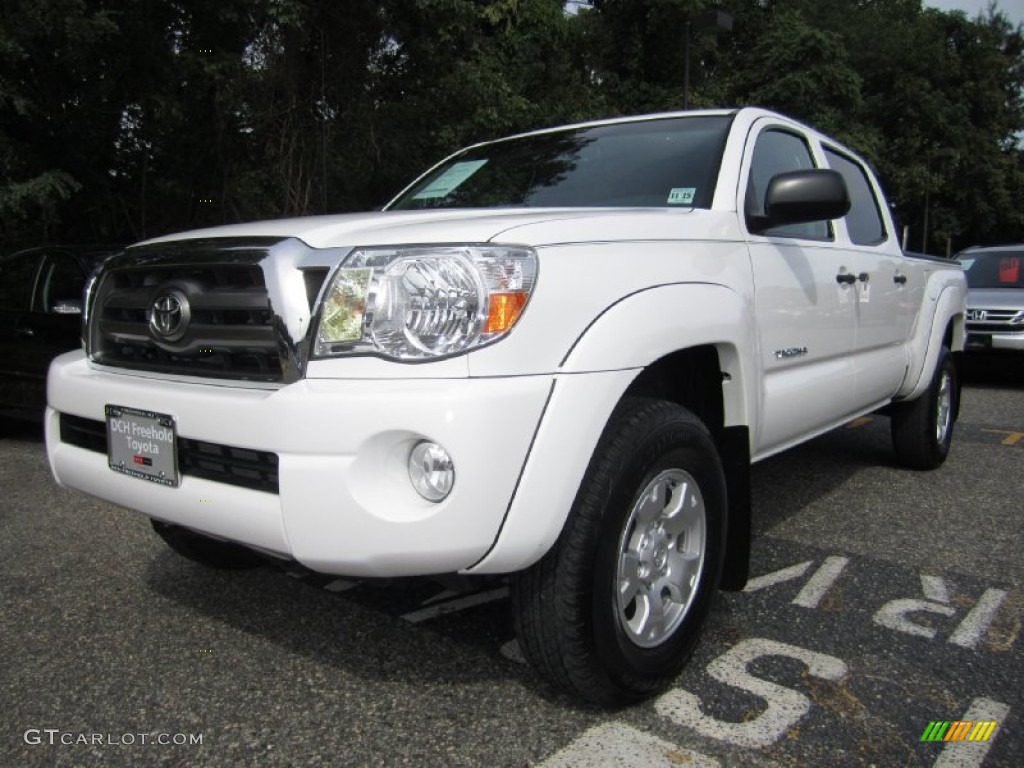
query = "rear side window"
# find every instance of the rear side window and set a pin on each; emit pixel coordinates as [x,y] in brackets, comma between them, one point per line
[864,221]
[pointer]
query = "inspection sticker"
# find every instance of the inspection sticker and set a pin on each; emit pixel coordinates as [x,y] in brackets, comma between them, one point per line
[681,195]
[450,180]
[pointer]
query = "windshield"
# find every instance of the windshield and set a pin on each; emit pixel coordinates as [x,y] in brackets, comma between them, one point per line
[995,269]
[668,162]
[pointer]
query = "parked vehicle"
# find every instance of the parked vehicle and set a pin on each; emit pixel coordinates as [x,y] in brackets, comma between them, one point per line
[553,356]
[40,317]
[995,298]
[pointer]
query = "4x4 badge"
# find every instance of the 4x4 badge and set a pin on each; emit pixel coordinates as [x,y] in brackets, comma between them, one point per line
[169,315]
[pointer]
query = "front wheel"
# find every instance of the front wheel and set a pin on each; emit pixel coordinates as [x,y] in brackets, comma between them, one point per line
[922,430]
[613,611]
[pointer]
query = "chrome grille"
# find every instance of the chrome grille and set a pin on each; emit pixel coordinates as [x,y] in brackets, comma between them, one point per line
[203,308]
[995,320]
[230,333]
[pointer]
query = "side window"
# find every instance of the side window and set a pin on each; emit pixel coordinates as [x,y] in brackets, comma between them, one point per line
[776,152]
[17,280]
[864,221]
[60,285]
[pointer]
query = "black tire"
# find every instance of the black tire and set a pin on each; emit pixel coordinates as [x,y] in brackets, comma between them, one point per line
[212,553]
[922,429]
[571,622]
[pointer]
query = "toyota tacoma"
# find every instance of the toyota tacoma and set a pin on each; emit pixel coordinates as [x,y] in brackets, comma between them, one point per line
[553,356]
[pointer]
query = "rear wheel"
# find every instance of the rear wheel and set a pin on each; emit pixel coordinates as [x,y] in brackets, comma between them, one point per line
[614,609]
[922,430]
[206,551]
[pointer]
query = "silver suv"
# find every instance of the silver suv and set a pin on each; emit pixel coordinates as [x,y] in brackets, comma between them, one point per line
[995,297]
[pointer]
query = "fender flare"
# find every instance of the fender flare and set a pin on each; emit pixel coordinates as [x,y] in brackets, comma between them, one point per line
[595,373]
[947,305]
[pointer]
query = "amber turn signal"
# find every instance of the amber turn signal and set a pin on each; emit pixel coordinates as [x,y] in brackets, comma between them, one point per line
[504,311]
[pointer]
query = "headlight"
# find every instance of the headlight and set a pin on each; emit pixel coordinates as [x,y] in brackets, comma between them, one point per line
[424,302]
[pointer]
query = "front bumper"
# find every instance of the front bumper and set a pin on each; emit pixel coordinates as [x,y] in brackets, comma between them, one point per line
[345,504]
[982,341]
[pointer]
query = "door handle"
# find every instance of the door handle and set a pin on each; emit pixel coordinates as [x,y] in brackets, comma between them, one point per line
[899,279]
[25,331]
[863,277]
[847,278]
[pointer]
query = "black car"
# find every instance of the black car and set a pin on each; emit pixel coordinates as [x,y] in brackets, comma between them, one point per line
[40,317]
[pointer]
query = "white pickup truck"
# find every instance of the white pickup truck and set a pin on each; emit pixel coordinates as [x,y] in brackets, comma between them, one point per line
[553,356]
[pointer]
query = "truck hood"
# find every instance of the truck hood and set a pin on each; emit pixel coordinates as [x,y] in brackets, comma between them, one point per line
[517,225]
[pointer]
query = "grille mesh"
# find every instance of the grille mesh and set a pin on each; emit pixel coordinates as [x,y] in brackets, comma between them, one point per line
[229,333]
[996,321]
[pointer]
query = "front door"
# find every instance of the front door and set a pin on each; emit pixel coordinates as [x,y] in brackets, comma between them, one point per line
[805,302]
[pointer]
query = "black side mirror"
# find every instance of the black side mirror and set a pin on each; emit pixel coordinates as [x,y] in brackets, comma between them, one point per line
[798,197]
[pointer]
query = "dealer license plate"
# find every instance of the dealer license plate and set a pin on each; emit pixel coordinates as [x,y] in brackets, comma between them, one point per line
[141,444]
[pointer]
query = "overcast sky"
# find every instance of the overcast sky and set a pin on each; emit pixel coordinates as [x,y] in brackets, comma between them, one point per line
[1012,9]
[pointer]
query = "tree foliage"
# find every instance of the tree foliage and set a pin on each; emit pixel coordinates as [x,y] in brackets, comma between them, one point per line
[124,119]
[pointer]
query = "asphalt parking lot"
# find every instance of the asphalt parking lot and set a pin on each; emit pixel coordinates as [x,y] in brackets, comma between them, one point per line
[883,602]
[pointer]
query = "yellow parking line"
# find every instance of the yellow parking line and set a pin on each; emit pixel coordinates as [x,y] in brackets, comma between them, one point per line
[1012,438]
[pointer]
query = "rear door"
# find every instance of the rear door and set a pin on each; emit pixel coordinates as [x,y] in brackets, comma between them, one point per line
[889,287]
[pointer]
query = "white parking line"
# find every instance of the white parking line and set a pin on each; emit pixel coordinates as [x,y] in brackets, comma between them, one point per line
[934,588]
[974,625]
[820,582]
[617,745]
[341,585]
[453,606]
[786,706]
[777,577]
[444,594]
[971,754]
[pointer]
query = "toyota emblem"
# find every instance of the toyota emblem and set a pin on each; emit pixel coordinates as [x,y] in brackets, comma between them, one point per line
[169,315]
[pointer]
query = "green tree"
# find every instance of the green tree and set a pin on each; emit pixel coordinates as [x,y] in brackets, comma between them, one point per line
[484,70]
[943,91]
[637,51]
[122,119]
[801,70]
[933,99]
[53,96]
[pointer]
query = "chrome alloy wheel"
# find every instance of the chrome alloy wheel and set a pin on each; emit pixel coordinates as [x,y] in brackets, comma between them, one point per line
[661,557]
[944,407]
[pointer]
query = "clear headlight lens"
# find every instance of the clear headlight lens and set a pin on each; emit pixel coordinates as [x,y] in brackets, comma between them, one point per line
[424,302]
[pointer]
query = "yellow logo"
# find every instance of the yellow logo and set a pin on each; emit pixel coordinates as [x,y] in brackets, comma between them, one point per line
[959,730]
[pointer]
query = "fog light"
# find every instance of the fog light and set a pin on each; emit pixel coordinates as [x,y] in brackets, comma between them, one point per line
[431,471]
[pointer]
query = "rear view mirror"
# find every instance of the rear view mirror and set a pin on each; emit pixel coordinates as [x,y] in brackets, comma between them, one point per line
[799,197]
